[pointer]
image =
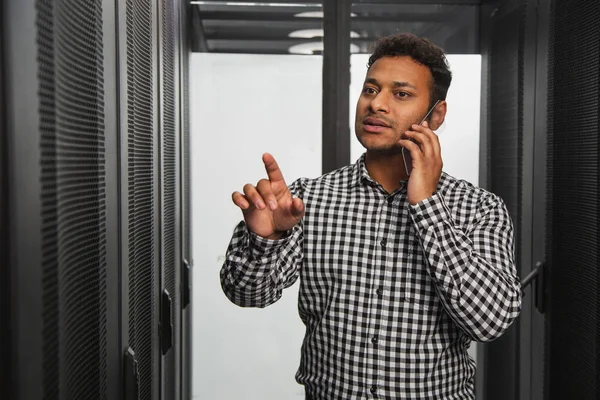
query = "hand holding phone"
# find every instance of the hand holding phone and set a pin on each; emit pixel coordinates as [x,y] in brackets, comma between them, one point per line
[406,153]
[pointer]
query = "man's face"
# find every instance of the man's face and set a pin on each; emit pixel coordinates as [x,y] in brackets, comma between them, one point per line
[395,95]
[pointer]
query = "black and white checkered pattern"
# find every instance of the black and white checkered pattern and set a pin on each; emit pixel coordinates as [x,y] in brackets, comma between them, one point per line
[391,294]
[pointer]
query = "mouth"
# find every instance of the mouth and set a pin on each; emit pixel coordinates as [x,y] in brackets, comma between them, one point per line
[374,125]
[375,122]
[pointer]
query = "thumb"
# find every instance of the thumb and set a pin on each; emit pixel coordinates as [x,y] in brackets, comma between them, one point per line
[297,207]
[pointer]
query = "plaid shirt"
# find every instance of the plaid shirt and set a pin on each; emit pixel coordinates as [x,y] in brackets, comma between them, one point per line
[391,294]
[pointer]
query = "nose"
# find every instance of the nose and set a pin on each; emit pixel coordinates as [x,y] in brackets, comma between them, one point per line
[380,103]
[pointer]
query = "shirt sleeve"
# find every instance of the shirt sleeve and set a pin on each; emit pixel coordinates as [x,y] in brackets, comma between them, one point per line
[256,269]
[474,272]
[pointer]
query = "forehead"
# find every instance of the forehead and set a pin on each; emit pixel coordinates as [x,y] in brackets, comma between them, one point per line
[387,70]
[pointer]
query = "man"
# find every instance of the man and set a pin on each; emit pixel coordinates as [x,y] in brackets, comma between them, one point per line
[399,273]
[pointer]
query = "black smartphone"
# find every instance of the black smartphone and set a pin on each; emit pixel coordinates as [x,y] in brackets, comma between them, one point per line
[406,153]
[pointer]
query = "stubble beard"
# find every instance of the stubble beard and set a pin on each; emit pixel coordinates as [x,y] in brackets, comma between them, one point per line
[391,147]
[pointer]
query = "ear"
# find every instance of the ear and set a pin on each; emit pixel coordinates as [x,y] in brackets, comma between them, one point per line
[436,119]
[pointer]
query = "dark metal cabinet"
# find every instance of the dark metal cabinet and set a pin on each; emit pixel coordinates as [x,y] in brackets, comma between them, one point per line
[92,215]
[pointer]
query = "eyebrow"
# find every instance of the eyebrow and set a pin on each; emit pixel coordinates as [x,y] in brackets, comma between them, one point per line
[395,83]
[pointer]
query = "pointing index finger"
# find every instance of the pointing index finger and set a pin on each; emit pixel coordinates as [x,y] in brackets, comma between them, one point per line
[272,168]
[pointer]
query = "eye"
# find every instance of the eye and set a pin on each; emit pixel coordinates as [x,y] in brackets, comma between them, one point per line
[369,90]
[402,94]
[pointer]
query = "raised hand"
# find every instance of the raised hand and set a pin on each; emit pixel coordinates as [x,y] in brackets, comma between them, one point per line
[269,208]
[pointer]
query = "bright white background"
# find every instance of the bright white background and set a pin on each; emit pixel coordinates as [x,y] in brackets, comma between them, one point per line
[242,106]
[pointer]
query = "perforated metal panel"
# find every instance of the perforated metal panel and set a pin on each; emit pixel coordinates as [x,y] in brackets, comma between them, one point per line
[141,192]
[186,211]
[572,242]
[47,112]
[169,159]
[71,125]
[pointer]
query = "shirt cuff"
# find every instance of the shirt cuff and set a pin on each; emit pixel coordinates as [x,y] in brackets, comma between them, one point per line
[262,247]
[430,212]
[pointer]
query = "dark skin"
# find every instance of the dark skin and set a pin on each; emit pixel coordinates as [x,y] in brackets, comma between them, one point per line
[397,93]
[395,98]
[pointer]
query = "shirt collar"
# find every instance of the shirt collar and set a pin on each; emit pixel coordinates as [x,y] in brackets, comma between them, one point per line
[361,175]
[359,172]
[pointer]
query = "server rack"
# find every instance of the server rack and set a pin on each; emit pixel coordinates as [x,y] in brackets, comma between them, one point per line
[91,211]
[573,180]
[544,86]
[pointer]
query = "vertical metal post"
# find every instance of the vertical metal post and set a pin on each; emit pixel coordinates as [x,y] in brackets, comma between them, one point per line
[540,385]
[112,201]
[22,124]
[124,121]
[184,9]
[5,287]
[526,263]
[336,84]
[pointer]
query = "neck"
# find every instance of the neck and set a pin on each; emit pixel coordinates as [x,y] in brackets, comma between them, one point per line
[386,169]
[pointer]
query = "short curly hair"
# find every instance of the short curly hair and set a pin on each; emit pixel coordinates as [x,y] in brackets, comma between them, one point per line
[424,52]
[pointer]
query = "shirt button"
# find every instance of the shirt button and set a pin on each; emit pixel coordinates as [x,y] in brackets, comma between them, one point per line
[379,292]
[390,199]
[419,218]
[374,340]
[373,389]
[383,242]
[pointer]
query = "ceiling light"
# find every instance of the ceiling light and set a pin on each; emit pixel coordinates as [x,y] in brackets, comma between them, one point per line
[251,4]
[312,47]
[310,14]
[314,14]
[314,33]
